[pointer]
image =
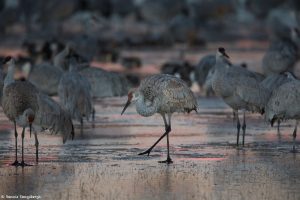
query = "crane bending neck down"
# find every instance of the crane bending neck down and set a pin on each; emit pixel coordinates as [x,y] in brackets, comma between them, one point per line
[147,108]
[144,107]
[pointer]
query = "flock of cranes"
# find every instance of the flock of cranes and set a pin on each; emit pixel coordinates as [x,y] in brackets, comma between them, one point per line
[275,94]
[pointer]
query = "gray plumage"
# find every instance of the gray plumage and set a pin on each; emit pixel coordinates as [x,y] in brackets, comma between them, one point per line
[239,88]
[52,117]
[273,81]
[282,54]
[207,86]
[203,68]
[60,60]
[284,104]
[45,77]
[163,94]
[280,57]
[280,20]
[104,83]
[17,97]
[75,94]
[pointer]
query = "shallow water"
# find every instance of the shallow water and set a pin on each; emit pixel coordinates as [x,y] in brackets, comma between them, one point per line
[102,162]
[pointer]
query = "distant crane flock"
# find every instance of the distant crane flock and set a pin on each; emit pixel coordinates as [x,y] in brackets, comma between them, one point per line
[275,95]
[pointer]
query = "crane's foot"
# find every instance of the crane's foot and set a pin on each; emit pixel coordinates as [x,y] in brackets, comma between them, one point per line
[16,163]
[23,164]
[168,161]
[145,152]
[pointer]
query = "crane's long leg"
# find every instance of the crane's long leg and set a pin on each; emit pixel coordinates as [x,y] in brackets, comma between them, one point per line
[93,117]
[81,125]
[278,126]
[16,163]
[294,136]
[167,128]
[23,134]
[169,160]
[238,126]
[36,147]
[23,164]
[93,114]
[244,127]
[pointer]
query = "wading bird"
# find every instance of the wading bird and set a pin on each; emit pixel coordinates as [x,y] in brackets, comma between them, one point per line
[19,103]
[239,88]
[163,94]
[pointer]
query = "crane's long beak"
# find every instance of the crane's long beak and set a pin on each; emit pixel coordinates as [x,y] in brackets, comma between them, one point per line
[225,54]
[125,107]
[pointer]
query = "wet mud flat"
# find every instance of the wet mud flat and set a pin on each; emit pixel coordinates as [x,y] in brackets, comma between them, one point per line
[103,161]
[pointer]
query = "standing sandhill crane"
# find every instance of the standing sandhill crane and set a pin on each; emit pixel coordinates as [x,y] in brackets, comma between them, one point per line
[284,104]
[19,104]
[43,112]
[75,94]
[282,54]
[163,94]
[239,88]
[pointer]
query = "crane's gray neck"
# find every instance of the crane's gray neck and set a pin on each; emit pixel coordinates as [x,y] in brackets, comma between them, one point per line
[9,78]
[222,63]
[146,108]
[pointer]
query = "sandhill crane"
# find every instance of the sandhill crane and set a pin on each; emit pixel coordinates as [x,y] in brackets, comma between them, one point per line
[284,104]
[50,116]
[42,112]
[239,88]
[75,94]
[282,54]
[163,94]
[19,104]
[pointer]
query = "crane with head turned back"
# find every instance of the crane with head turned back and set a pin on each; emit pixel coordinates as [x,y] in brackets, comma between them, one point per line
[163,94]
